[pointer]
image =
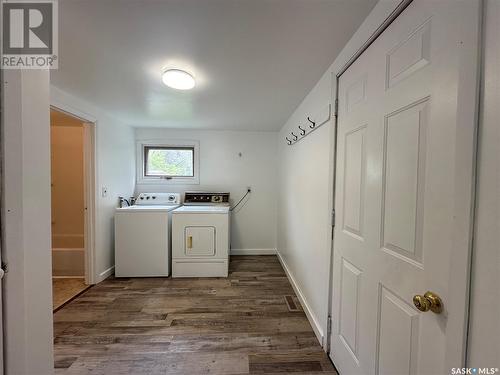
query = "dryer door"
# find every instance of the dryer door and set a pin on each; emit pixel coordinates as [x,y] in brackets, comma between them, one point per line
[199,241]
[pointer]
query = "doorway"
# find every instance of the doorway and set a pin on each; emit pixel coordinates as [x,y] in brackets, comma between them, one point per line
[71,168]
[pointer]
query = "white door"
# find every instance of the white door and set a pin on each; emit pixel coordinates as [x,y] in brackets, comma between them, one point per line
[404,187]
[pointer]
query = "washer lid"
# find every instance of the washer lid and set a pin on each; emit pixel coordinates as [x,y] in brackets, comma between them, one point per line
[155,208]
[202,210]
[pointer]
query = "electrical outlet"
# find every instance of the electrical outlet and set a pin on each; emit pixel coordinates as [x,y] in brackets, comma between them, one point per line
[104,191]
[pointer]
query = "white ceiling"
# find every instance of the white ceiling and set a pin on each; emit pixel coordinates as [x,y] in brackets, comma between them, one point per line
[254,60]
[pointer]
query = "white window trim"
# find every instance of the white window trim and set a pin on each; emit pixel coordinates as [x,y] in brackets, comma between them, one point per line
[141,179]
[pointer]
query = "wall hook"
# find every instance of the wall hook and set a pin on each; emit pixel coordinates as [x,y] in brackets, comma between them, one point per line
[302,130]
[289,141]
[294,136]
[313,124]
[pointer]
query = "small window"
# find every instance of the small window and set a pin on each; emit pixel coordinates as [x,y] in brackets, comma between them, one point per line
[168,162]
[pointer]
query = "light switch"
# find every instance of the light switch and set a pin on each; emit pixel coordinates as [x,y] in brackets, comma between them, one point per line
[104,191]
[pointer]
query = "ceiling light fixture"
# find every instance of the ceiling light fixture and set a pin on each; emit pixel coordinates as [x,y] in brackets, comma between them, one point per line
[178,79]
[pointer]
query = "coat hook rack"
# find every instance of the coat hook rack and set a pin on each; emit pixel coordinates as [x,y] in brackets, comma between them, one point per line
[320,117]
[313,123]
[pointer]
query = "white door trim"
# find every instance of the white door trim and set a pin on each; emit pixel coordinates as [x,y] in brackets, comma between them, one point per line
[465,182]
[466,141]
[89,200]
[26,223]
[90,178]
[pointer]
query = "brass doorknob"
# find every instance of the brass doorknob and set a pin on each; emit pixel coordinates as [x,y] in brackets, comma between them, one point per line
[429,301]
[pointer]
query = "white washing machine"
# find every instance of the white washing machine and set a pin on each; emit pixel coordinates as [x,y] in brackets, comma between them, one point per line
[143,235]
[200,236]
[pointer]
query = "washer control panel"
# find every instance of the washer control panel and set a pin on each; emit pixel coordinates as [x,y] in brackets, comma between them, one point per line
[196,197]
[158,199]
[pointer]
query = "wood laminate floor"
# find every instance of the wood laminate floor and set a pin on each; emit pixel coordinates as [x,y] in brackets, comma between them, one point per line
[238,325]
[63,289]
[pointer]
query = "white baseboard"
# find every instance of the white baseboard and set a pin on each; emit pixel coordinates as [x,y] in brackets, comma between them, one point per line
[105,274]
[253,251]
[307,309]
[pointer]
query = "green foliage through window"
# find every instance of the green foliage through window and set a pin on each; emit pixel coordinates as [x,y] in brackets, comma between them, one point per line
[169,161]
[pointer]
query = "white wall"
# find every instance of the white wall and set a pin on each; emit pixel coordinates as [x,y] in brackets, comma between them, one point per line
[306,171]
[304,206]
[26,223]
[484,335]
[115,170]
[253,227]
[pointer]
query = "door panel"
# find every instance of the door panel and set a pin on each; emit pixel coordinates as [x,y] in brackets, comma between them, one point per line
[396,173]
[409,56]
[355,94]
[403,182]
[354,182]
[349,307]
[397,333]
